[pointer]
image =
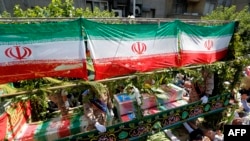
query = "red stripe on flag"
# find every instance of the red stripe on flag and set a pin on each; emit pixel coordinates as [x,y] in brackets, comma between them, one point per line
[18,72]
[191,58]
[3,125]
[64,129]
[29,133]
[107,68]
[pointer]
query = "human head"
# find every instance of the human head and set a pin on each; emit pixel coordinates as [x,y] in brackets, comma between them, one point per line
[210,134]
[244,94]
[129,88]
[237,121]
[53,98]
[201,138]
[198,137]
[64,94]
[120,88]
[187,84]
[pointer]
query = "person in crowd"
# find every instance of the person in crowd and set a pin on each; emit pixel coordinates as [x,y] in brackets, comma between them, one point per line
[245,94]
[119,89]
[244,98]
[246,71]
[240,119]
[245,87]
[208,82]
[97,109]
[214,135]
[72,100]
[134,93]
[195,133]
[180,80]
[171,135]
[193,90]
[198,134]
[192,94]
[64,94]
[52,107]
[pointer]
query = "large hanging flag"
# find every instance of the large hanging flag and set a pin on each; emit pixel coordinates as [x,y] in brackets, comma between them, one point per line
[53,49]
[121,49]
[203,44]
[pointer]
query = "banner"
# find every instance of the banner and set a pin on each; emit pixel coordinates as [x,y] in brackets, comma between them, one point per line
[121,49]
[203,44]
[48,49]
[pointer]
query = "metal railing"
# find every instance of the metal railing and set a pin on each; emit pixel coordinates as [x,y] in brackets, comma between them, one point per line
[115,19]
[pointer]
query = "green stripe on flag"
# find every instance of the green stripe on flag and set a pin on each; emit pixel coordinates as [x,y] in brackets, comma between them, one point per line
[41,131]
[129,32]
[207,31]
[40,32]
[75,124]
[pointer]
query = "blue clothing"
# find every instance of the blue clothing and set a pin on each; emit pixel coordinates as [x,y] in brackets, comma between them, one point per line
[245,105]
[85,92]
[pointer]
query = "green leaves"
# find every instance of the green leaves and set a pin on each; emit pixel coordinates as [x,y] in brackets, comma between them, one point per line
[58,8]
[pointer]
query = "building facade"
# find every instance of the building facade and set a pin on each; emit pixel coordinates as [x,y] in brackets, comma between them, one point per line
[140,8]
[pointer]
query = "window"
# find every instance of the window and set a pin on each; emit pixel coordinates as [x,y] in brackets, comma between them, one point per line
[101,4]
[179,6]
[225,3]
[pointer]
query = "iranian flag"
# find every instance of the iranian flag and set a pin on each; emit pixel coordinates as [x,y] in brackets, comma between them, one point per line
[54,129]
[121,49]
[204,44]
[48,49]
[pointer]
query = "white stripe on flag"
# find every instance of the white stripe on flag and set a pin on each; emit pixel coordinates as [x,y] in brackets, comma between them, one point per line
[109,48]
[52,130]
[22,131]
[202,44]
[65,50]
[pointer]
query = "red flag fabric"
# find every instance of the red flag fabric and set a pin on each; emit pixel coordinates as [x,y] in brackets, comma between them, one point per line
[3,125]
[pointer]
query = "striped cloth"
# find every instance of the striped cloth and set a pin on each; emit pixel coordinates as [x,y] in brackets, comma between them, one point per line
[52,129]
[154,110]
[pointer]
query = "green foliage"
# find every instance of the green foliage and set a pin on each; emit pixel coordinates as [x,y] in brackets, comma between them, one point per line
[217,121]
[5,14]
[241,41]
[58,8]
[160,136]
[38,102]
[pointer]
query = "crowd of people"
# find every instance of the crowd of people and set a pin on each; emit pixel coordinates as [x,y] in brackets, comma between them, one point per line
[241,116]
[193,93]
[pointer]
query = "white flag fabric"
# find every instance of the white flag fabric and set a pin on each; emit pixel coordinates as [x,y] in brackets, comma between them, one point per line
[49,49]
[203,44]
[121,49]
